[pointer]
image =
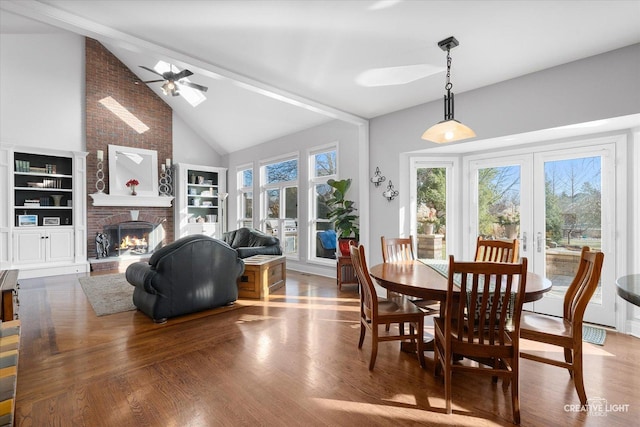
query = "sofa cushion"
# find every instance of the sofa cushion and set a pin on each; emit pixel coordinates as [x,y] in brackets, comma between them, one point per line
[248,251]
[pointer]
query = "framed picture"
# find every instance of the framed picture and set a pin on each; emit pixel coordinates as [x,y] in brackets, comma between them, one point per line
[51,220]
[27,220]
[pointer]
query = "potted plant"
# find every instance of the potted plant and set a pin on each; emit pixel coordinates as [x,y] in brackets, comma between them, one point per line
[342,213]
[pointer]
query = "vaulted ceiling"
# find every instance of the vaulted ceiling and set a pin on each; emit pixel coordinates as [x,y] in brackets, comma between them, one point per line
[277,67]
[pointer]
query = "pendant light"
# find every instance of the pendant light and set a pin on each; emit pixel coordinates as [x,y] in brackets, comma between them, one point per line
[449,129]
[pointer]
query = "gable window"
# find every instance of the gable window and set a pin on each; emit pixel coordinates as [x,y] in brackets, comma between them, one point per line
[322,166]
[245,197]
[280,202]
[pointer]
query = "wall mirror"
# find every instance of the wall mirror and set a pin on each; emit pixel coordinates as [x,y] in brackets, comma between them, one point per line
[127,163]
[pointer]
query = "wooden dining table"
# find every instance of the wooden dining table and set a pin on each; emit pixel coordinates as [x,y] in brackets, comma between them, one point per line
[417,279]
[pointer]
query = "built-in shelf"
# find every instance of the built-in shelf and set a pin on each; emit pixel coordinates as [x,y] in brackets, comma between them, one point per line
[103,199]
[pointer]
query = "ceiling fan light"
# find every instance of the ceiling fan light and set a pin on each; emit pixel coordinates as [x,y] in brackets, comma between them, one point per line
[448,131]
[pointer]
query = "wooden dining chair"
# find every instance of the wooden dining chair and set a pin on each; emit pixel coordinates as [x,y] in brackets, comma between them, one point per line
[482,322]
[397,249]
[376,311]
[566,332]
[496,250]
[401,249]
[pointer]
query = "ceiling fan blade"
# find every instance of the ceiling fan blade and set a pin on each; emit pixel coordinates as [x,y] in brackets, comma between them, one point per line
[153,81]
[194,86]
[151,69]
[182,74]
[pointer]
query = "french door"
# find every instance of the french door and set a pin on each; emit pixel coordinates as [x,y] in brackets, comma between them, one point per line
[555,202]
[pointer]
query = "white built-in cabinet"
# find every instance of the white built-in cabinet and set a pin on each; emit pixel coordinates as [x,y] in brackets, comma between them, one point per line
[42,245]
[43,221]
[199,207]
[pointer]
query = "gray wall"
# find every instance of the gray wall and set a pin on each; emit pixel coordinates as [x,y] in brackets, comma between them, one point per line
[346,135]
[599,87]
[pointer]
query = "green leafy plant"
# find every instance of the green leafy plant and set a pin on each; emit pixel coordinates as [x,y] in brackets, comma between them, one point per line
[341,211]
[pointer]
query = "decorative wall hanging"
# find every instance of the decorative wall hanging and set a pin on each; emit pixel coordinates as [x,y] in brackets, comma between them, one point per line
[390,193]
[378,178]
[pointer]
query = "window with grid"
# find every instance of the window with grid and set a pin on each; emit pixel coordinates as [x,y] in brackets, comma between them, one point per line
[280,202]
[245,197]
[322,167]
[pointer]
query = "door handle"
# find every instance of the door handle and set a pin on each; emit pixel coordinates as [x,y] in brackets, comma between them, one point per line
[539,241]
[524,241]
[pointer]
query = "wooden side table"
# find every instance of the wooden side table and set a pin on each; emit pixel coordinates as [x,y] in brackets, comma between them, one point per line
[345,273]
[262,274]
[8,295]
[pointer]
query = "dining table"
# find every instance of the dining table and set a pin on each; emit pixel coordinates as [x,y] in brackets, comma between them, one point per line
[428,280]
[629,288]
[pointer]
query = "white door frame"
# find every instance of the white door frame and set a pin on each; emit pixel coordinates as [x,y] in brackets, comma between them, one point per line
[618,201]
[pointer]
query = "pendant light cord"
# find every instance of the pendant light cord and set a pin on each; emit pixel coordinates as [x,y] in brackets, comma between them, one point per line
[449,85]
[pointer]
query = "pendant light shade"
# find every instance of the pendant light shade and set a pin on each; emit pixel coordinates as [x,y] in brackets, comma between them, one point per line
[449,129]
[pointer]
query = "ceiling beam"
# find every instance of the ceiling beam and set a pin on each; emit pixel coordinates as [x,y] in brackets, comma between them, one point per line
[61,19]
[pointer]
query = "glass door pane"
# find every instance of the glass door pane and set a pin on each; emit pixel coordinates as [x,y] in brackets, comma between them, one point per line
[431,212]
[499,202]
[573,218]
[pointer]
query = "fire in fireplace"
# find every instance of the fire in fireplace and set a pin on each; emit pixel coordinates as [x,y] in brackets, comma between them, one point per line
[133,238]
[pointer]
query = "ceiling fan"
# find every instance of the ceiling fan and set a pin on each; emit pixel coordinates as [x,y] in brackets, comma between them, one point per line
[173,81]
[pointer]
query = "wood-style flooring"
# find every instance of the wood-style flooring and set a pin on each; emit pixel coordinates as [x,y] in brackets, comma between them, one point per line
[289,361]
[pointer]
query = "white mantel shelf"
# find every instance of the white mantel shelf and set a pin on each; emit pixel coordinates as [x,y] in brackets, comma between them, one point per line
[103,199]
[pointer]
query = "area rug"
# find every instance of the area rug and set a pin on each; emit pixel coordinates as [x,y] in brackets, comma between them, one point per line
[108,294]
[593,335]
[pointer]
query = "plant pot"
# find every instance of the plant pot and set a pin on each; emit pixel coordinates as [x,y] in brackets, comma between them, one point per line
[429,228]
[511,231]
[343,245]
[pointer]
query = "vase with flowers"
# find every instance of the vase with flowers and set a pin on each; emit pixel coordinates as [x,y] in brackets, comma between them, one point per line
[428,217]
[132,183]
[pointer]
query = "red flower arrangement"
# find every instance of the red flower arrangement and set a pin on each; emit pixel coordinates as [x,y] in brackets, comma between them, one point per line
[133,182]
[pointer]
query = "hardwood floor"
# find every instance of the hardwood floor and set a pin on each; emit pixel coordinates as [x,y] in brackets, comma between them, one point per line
[292,360]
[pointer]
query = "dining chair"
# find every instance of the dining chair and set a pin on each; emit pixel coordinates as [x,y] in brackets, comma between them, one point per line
[482,322]
[401,249]
[566,332]
[376,311]
[496,250]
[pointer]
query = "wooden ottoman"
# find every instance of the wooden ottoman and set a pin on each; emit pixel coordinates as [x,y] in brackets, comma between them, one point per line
[262,274]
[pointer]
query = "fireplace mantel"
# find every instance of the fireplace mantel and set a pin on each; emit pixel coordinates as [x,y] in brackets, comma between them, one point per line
[102,199]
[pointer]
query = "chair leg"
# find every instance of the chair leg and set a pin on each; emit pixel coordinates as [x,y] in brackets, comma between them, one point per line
[374,346]
[447,382]
[578,378]
[363,331]
[420,343]
[568,357]
[515,390]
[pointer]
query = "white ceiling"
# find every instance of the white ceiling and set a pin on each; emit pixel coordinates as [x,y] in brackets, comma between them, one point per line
[277,67]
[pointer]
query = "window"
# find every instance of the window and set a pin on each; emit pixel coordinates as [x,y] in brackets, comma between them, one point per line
[322,167]
[432,207]
[245,197]
[280,192]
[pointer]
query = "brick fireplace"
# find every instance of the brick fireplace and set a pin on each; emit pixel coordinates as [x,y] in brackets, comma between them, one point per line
[106,77]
